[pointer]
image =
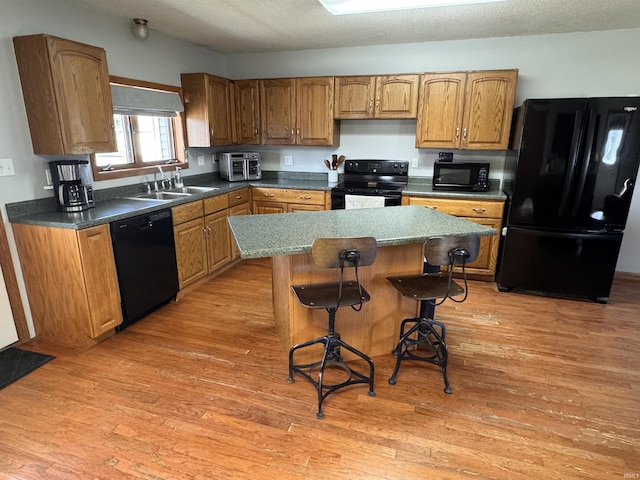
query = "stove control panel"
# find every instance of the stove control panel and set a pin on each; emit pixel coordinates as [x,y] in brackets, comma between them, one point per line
[378,167]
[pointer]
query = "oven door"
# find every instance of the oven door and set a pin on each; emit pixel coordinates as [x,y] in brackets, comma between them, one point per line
[346,198]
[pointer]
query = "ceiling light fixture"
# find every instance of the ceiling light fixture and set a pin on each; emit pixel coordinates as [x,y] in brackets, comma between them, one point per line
[140,29]
[345,7]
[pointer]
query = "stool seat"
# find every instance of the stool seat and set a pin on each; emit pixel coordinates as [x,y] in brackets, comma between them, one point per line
[427,286]
[325,295]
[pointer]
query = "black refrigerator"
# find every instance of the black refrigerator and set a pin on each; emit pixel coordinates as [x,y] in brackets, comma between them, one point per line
[569,177]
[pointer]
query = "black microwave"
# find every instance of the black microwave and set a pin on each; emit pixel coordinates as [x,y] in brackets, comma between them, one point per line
[463,176]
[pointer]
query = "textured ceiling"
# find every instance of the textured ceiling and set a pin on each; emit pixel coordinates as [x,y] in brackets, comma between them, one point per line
[257,26]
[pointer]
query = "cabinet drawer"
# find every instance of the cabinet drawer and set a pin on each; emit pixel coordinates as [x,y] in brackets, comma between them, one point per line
[462,208]
[314,197]
[215,204]
[186,212]
[238,197]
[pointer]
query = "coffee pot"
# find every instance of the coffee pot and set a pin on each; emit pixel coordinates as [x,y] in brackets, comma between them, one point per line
[72,184]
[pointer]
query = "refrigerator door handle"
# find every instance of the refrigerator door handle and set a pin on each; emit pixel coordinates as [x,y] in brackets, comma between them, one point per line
[573,158]
[582,177]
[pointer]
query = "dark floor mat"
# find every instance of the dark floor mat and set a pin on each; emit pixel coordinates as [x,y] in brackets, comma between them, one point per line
[15,363]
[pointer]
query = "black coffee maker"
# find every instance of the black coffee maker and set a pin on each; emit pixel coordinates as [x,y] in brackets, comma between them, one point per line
[72,184]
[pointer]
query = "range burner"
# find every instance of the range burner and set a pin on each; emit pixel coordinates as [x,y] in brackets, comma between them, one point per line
[384,179]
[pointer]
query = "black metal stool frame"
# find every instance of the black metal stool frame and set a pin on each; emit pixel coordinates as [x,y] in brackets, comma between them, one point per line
[428,288]
[349,293]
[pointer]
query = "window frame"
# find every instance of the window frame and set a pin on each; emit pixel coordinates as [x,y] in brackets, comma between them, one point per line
[138,168]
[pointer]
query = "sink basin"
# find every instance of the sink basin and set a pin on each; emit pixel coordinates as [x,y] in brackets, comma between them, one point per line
[190,190]
[168,196]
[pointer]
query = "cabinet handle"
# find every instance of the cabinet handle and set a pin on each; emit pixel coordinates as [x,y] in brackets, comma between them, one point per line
[255,131]
[268,194]
[431,207]
[303,197]
[371,105]
[292,132]
[464,135]
[457,133]
[299,134]
[479,209]
[211,129]
[238,197]
[378,104]
[204,232]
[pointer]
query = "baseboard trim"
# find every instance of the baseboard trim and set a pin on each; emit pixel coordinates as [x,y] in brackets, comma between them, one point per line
[627,276]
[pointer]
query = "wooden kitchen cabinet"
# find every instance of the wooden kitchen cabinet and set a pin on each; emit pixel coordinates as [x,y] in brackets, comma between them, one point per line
[484,212]
[387,96]
[201,235]
[67,97]
[466,110]
[71,282]
[298,111]
[207,108]
[247,111]
[280,200]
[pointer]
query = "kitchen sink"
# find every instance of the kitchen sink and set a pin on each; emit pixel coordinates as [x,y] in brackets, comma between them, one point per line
[190,190]
[168,196]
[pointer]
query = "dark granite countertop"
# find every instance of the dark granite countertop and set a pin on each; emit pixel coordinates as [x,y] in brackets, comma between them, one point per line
[117,204]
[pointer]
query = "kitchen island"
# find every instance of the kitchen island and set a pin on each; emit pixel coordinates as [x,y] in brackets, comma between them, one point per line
[400,232]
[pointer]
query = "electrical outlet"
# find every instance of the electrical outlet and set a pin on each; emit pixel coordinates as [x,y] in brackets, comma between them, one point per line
[201,160]
[6,167]
[288,159]
[414,162]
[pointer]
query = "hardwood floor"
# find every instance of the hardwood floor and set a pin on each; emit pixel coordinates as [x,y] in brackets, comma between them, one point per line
[543,389]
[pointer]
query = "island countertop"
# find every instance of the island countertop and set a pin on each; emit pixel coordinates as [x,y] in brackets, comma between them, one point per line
[260,236]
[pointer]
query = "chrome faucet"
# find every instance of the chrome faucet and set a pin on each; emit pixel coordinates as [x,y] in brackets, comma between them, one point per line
[163,180]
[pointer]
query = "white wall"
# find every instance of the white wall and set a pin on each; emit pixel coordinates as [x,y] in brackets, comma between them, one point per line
[600,63]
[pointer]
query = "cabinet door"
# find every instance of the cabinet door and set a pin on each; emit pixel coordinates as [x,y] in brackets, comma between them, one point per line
[191,251]
[247,112]
[278,112]
[261,207]
[484,267]
[488,109]
[314,99]
[217,235]
[67,95]
[219,111]
[396,96]
[440,109]
[96,252]
[354,97]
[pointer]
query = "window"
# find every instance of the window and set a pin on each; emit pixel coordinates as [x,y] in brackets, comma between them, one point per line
[148,127]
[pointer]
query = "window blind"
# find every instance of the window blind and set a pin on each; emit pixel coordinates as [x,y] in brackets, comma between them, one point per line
[143,101]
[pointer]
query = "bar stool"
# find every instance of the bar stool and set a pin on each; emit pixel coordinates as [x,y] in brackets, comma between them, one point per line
[423,338]
[339,253]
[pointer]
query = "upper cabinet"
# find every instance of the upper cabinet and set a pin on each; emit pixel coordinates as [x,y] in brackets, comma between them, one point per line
[388,96]
[467,110]
[67,95]
[298,111]
[246,95]
[207,109]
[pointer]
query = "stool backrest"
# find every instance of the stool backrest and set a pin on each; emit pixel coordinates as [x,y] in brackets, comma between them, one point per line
[457,249]
[327,252]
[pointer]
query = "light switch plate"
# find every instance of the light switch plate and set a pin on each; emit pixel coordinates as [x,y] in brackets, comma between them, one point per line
[6,167]
[200,160]
[288,159]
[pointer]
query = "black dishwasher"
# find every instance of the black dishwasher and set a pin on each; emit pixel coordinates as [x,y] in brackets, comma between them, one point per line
[145,255]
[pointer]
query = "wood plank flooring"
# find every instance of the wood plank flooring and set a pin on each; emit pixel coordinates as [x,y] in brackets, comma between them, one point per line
[543,389]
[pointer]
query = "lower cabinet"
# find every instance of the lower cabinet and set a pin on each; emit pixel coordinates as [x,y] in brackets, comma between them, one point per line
[71,282]
[282,200]
[201,233]
[484,212]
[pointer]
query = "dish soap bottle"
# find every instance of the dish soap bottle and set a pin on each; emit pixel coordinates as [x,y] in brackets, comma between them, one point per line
[177,179]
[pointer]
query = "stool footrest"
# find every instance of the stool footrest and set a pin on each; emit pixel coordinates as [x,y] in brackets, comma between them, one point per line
[424,341]
[331,358]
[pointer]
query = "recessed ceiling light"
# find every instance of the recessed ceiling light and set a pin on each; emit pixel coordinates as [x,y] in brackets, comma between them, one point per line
[344,7]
